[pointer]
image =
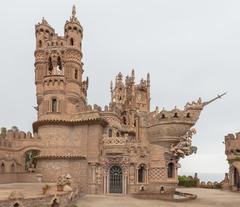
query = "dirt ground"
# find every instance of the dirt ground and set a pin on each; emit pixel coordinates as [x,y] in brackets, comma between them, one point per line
[206,198]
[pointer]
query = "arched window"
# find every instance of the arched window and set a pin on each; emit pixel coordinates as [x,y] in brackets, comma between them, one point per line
[141,173]
[59,66]
[16,205]
[2,168]
[55,203]
[118,134]
[54,105]
[12,168]
[50,65]
[40,43]
[71,41]
[110,132]
[124,120]
[170,170]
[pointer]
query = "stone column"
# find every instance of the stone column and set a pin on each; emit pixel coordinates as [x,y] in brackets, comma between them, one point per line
[107,182]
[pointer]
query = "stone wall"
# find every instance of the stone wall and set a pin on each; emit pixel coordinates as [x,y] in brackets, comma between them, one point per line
[18,178]
[51,169]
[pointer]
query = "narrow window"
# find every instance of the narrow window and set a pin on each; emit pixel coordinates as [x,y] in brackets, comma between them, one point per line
[71,41]
[118,135]
[50,66]
[141,174]
[110,132]
[163,116]
[59,66]
[2,168]
[54,105]
[124,120]
[170,170]
[76,74]
[13,168]
[188,115]
[40,43]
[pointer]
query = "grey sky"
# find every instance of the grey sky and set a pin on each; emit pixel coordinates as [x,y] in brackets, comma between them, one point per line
[190,48]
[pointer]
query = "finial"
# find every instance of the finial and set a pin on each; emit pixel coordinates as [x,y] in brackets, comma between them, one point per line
[148,79]
[73,11]
[133,73]
[111,86]
[218,97]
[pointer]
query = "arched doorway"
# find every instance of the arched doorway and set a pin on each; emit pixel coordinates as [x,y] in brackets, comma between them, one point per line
[236,178]
[115,179]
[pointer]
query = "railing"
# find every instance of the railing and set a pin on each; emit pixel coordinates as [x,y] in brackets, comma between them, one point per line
[114,141]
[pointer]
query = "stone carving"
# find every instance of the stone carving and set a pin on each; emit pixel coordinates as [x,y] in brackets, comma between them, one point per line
[184,147]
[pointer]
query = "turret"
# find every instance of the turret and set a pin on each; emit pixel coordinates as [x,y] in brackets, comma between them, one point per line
[61,92]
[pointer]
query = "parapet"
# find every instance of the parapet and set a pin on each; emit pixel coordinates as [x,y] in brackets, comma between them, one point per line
[232,144]
[20,135]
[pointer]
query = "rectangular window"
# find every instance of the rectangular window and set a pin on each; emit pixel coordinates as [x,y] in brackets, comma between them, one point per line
[54,105]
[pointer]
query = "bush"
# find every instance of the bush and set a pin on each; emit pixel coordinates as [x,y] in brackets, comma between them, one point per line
[187,181]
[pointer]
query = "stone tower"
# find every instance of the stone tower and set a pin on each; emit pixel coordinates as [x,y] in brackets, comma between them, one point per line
[60,90]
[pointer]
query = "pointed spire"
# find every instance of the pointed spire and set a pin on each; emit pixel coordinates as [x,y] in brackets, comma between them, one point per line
[111,90]
[148,79]
[73,11]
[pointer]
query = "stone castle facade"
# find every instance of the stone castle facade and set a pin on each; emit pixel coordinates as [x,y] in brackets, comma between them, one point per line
[122,148]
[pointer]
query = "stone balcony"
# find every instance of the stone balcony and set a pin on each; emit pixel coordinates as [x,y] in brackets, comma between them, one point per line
[114,145]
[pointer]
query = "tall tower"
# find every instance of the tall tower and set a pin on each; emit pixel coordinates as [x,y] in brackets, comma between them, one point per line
[60,90]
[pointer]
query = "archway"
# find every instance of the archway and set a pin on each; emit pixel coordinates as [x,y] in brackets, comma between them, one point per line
[115,179]
[236,178]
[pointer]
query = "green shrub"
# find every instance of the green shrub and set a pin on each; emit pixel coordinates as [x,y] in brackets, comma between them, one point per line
[186,181]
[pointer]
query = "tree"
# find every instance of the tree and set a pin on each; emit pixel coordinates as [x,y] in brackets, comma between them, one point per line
[15,129]
[3,133]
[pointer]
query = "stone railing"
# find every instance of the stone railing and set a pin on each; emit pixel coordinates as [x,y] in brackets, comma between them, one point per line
[114,141]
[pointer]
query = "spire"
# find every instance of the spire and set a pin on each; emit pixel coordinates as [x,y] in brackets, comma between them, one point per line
[73,11]
[148,79]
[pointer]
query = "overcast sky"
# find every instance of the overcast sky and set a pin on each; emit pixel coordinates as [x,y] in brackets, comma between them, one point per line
[190,48]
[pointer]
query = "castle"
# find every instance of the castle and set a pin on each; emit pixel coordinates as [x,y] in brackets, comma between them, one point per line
[123,148]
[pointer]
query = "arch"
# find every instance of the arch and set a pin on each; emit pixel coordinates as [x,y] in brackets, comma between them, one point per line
[142,173]
[110,133]
[71,41]
[55,203]
[188,115]
[2,167]
[171,173]
[16,204]
[115,179]
[13,168]
[118,134]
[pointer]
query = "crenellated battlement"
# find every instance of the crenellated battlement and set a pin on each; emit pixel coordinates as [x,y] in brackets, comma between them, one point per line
[232,145]
[20,135]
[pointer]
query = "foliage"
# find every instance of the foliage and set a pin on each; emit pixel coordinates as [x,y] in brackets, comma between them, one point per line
[15,129]
[3,133]
[187,181]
